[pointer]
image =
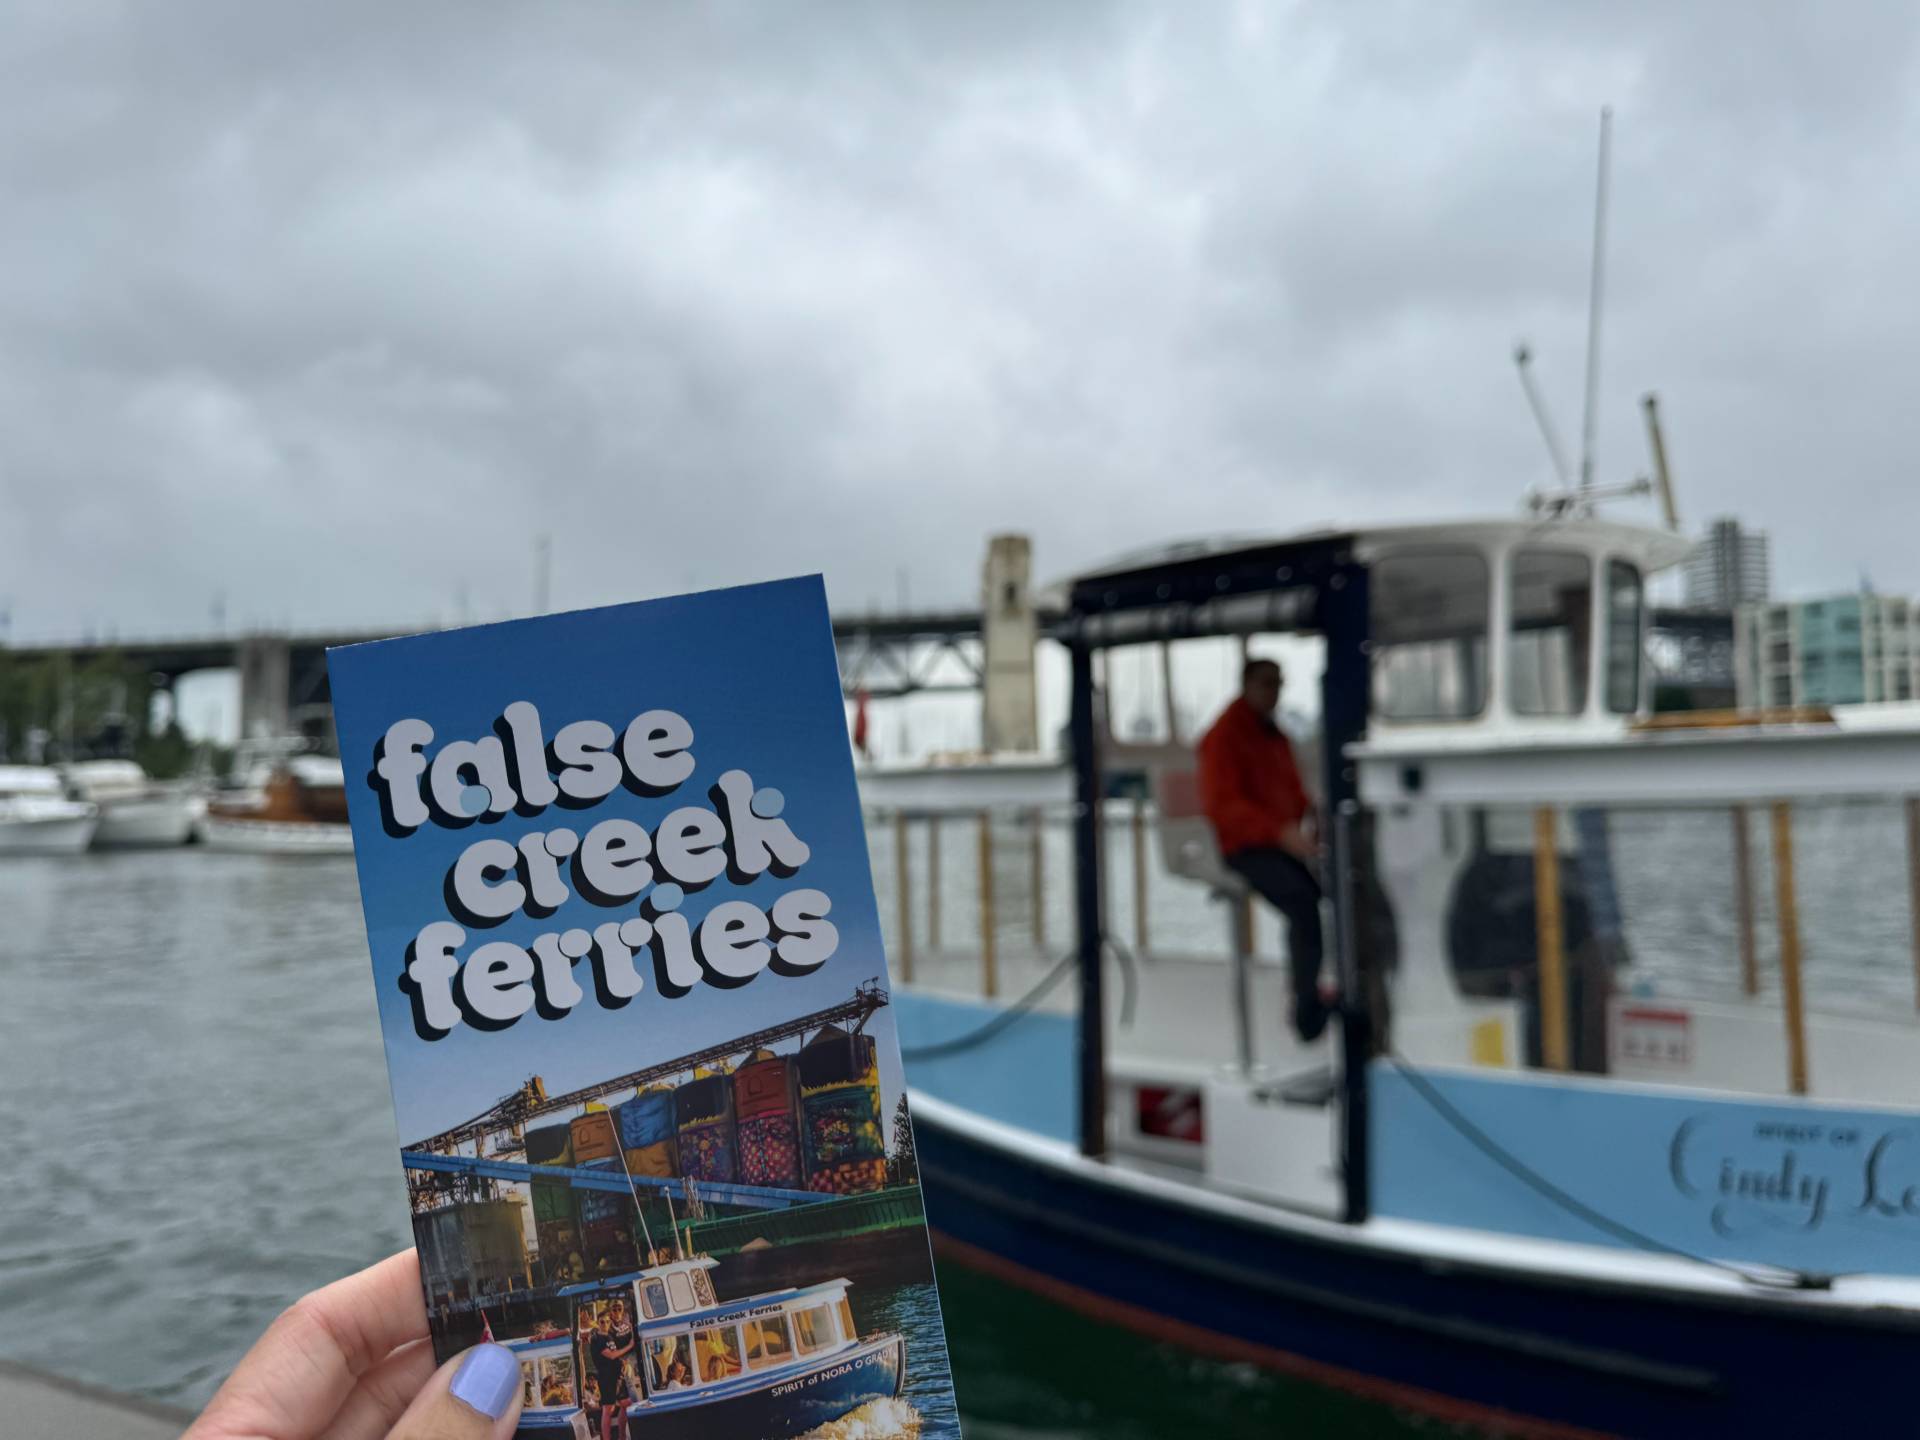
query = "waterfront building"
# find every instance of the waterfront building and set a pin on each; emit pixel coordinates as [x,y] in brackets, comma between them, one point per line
[1847,649]
[1727,568]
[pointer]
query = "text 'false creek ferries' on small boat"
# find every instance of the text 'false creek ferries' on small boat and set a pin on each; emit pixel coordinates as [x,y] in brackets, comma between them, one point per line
[293,805]
[37,817]
[1713,1230]
[773,1366]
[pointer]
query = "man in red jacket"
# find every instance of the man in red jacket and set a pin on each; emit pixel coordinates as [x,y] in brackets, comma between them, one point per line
[1250,789]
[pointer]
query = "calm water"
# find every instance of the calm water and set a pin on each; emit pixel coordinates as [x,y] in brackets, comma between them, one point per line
[914,1311]
[192,1079]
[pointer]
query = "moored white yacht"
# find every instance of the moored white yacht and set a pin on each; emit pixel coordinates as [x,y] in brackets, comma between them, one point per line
[135,809]
[37,818]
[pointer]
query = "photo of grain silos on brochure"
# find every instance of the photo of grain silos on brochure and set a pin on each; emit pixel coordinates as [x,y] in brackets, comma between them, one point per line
[637,1019]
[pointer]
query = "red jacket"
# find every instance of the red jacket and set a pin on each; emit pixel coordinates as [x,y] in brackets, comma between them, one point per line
[1249,786]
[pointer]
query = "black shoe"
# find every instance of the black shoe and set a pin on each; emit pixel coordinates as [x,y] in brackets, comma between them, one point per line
[1310,1018]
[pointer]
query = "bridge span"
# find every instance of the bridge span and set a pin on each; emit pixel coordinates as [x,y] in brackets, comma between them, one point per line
[883,655]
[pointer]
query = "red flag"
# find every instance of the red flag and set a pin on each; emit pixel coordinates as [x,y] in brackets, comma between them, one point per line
[486,1329]
[860,722]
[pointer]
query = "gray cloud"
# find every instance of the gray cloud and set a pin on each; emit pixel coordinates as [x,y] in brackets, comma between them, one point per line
[331,309]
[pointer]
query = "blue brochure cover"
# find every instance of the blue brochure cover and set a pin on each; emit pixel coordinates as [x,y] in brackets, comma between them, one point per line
[636,1012]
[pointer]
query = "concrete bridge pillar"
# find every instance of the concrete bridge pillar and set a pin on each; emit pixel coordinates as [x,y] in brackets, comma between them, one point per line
[264,663]
[1009,715]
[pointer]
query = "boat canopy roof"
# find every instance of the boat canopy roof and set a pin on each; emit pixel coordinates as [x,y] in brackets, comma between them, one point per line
[1520,625]
[29,780]
[318,770]
[649,1272]
[1182,573]
[108,777]
[792,1298]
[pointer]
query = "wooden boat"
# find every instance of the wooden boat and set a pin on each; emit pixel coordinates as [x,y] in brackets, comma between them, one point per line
[298,808]
[775,1365]
[1432,1204]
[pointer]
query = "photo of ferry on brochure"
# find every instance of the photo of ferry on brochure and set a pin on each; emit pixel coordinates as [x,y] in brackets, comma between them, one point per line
[775,1365]
[638,1021]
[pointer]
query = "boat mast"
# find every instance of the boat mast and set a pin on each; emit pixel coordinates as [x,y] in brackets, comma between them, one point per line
[673,1224]
[1593,306]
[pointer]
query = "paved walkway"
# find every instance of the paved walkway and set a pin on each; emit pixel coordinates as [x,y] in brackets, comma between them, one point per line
[45,1407]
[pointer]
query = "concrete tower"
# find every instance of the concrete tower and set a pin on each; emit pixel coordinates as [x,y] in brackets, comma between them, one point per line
[1009,718]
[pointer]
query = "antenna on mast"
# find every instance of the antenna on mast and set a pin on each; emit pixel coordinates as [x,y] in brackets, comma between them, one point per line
[1656,441]
[1523,361]
[1593,306]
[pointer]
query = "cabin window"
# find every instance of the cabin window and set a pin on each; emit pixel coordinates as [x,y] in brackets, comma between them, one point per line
[717,1352]
[681,1291]
[556,1380]
[529,1396]
[768,1342]
[653,1299]
[813,1328]
[848,1328]
[703,1288]
[1550,649]
[1429,634]
[669,1364]
[1623,637]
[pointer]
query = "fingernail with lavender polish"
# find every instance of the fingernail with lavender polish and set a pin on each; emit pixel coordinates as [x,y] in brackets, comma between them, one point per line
[486,1380]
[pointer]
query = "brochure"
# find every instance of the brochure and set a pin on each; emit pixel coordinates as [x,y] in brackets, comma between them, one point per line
[629,971]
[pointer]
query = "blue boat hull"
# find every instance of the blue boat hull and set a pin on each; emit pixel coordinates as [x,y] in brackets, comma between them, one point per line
[873,1371]
[1529,1353]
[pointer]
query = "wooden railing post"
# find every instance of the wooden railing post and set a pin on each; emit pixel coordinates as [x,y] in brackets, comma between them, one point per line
[1549,939]
[989,964]
[933,884]
[1789,924]
[903,893]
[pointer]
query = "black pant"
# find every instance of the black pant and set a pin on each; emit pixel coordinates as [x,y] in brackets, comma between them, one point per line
[1288,885]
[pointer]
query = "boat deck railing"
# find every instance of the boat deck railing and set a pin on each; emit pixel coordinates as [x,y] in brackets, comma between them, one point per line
[976,899]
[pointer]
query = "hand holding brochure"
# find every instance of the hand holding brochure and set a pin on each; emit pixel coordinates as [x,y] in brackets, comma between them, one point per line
[636,1012]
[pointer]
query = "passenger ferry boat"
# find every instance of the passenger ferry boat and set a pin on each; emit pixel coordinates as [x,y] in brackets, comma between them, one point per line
[1504,1189]
[773,1365]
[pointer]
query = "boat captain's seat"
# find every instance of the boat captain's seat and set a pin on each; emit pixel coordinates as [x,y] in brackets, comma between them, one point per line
[1187,845]
[1189,850]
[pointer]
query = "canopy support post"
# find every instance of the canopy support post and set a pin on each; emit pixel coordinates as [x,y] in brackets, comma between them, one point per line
[1344,692]
[1086,881]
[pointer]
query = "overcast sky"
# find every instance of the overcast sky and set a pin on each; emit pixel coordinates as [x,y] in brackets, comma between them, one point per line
[324,312]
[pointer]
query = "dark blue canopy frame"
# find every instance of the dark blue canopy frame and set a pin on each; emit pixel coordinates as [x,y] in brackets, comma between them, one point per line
[1312,586]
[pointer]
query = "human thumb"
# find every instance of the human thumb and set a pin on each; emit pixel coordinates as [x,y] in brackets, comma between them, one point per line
[475,1396]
